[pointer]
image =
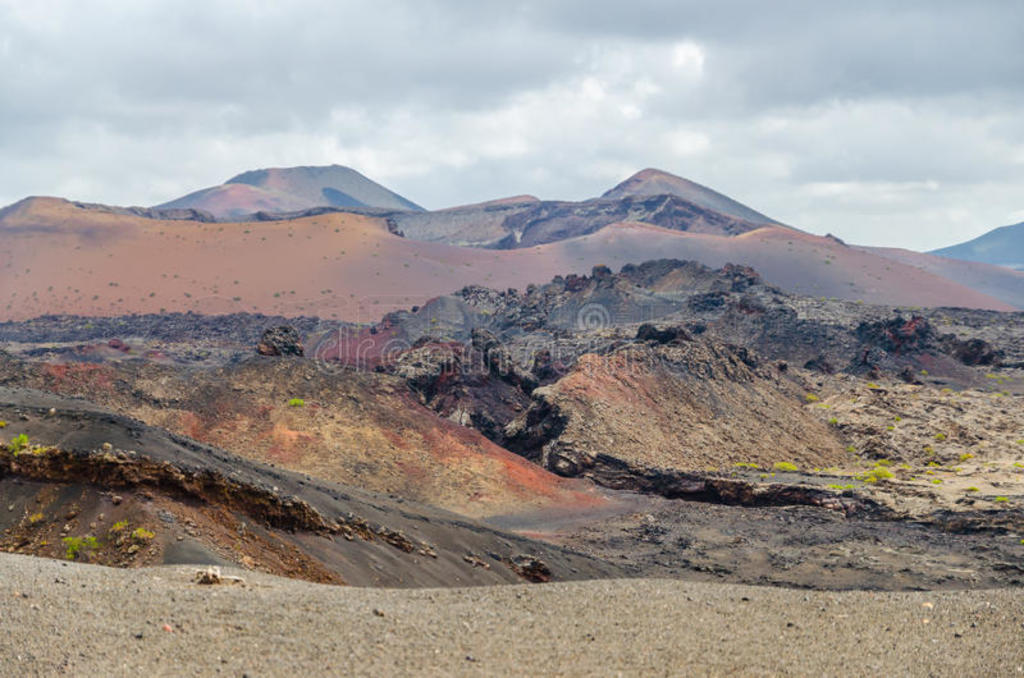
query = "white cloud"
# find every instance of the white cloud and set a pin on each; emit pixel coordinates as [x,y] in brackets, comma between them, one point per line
[688,56]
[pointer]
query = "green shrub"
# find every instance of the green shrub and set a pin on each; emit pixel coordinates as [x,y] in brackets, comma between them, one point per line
[875,474]
[785,466]
[75,545]
[811,398]
[18,444]
[296,402]
[142,534]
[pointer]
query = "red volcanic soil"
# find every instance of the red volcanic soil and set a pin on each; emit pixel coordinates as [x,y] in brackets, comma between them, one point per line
[1001,282]
[59,258]
[235,200]
[358,428]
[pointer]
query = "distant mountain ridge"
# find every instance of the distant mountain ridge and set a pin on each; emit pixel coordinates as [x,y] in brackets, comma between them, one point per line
[291,189]
[407,255]
[1003,246]
[650,196]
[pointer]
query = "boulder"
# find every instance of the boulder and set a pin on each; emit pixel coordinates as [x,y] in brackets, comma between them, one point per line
[282,340]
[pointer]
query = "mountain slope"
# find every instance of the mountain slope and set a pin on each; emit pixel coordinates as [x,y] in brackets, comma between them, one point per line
[657,182]
[98,474]
[289,189]
[63,258]
[1000,282]
[1003,246]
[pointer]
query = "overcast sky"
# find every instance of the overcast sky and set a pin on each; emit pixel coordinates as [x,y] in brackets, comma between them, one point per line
[889,123]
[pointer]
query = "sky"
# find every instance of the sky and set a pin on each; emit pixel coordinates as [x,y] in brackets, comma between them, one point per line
[884,123]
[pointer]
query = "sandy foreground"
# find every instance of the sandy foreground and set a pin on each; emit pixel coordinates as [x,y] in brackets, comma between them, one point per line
[63,618]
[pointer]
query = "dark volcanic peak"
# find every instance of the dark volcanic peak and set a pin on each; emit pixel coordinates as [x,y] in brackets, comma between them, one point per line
[657,182]
[528,223]
[1003,246]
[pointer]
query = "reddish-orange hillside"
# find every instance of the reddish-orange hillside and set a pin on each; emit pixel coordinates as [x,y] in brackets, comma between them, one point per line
[59,258]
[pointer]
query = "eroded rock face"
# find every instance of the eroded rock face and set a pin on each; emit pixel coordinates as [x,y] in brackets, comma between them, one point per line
[478,384]
[676,407]
[279,341]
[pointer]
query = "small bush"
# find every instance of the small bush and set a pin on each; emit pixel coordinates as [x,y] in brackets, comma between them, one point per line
[833,422]
[965,456]
[18,444]
[875,474]
[142,534]
[1001,499]
[75,545]
[785,466]
[296,402]
[811,398]
[972,488]
[940,436]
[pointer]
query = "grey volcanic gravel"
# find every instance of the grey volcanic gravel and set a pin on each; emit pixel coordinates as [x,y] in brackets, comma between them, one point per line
[64,618]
